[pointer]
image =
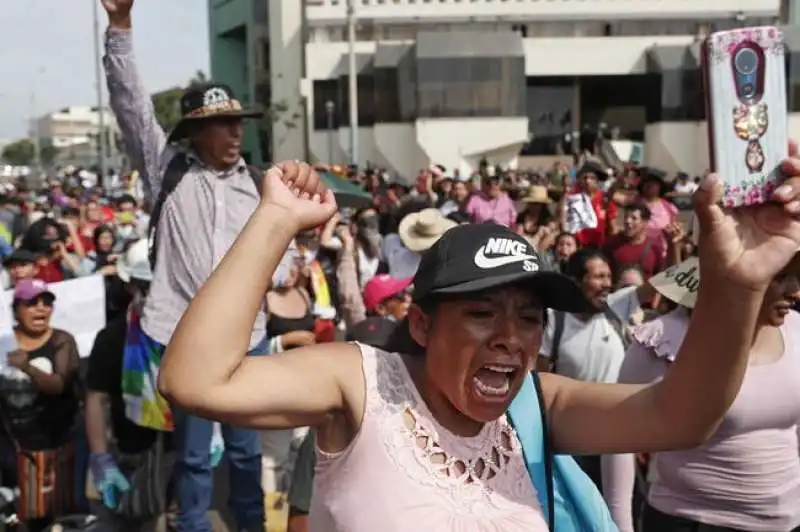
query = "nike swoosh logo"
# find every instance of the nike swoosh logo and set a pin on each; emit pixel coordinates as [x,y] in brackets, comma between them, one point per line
[488,263]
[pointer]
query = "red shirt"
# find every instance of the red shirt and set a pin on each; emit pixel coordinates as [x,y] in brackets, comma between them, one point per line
[86,233]
[649,255]
[50,272]
[605,212]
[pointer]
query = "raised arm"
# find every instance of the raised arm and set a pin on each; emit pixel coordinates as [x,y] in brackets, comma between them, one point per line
[144,139]
[205,369]
[741,252]
[619,470]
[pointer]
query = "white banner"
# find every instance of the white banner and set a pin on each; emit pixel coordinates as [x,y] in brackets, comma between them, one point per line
[80,309]
[8,342]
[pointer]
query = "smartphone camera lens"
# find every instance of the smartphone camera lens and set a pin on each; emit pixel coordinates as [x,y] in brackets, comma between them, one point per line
[746,61]
[748,90]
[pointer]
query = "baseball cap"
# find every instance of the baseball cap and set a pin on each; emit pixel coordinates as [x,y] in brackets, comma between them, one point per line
[382,287]
[375,331]
[20,256]
[135,264]
[472,258]
[28,289]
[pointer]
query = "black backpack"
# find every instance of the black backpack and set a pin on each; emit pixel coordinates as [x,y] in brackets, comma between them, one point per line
[178,167]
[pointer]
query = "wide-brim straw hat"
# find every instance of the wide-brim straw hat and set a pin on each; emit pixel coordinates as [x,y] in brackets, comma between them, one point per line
[420,230]
[207,101]
[537,194]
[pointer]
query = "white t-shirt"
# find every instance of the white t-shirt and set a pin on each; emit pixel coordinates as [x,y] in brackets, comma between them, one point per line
[367,267]
[592,350]
[403,263]
[686,188]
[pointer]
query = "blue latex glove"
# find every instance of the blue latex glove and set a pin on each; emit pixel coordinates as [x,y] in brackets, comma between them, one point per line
[217,449]
[109,481]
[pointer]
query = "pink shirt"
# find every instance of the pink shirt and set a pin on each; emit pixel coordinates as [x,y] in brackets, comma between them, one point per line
[663,214]
[747,476]
[404,471]
[484,209]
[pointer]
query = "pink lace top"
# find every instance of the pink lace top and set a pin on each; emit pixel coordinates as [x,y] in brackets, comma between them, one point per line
[404,471]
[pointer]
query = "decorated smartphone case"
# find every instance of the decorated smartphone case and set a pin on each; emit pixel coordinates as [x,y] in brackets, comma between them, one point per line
[745,85]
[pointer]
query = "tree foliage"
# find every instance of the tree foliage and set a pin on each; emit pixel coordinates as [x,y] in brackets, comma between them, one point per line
[167,103]
[48,155]
[19,153]
[280,118]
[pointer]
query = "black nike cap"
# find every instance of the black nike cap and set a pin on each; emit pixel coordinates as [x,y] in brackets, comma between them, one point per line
[476,257]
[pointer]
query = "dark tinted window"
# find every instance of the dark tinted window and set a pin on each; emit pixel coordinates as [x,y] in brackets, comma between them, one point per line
[325,91]
[474,86]
[682,97]
[366,101]
[387,96]
[793,80]
[550,112]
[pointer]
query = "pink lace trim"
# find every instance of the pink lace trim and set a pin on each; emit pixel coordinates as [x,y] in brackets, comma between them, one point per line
[664,335]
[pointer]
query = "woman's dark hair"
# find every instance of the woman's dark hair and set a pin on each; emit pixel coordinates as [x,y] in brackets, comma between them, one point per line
[544,218]
[565,234]
[459,217]
[562,263]
[98,232]
[576,265]
[34,239]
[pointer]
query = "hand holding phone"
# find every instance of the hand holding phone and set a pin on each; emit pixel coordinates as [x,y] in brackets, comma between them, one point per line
[745,82]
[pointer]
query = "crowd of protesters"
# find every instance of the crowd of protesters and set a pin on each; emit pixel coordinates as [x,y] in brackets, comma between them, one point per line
[208,264]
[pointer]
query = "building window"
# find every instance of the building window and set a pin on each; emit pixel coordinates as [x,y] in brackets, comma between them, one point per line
[366,101]
[326,92]
[387,96]
[468,87]
[682,96]
[793,80]
[550,103]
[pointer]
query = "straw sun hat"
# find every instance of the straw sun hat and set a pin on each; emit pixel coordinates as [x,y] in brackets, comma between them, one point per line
[537,194]
[420,230]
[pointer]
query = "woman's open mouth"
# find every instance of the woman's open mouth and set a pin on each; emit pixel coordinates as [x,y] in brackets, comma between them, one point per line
[493,381]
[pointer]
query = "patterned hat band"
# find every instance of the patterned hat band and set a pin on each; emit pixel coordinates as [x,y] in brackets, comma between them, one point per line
[225,106]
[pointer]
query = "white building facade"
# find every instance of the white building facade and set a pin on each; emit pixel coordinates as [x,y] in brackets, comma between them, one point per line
[453,82]
[75,132]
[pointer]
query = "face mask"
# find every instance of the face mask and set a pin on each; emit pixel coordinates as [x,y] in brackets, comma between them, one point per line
[125,231]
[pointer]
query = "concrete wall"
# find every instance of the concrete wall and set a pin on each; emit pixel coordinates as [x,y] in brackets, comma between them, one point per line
[329,11]
[406,148]
[231,35]
[286,52]
[675,146]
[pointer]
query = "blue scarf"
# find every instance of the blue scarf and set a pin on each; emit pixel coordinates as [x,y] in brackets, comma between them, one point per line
[568,497]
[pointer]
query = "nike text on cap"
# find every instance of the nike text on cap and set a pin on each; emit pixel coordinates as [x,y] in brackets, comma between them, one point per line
[472,258]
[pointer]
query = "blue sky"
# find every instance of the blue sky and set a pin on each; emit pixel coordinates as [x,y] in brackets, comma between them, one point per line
[46,49]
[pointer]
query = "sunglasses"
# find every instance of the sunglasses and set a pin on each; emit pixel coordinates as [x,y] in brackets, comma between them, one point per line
[46,299]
